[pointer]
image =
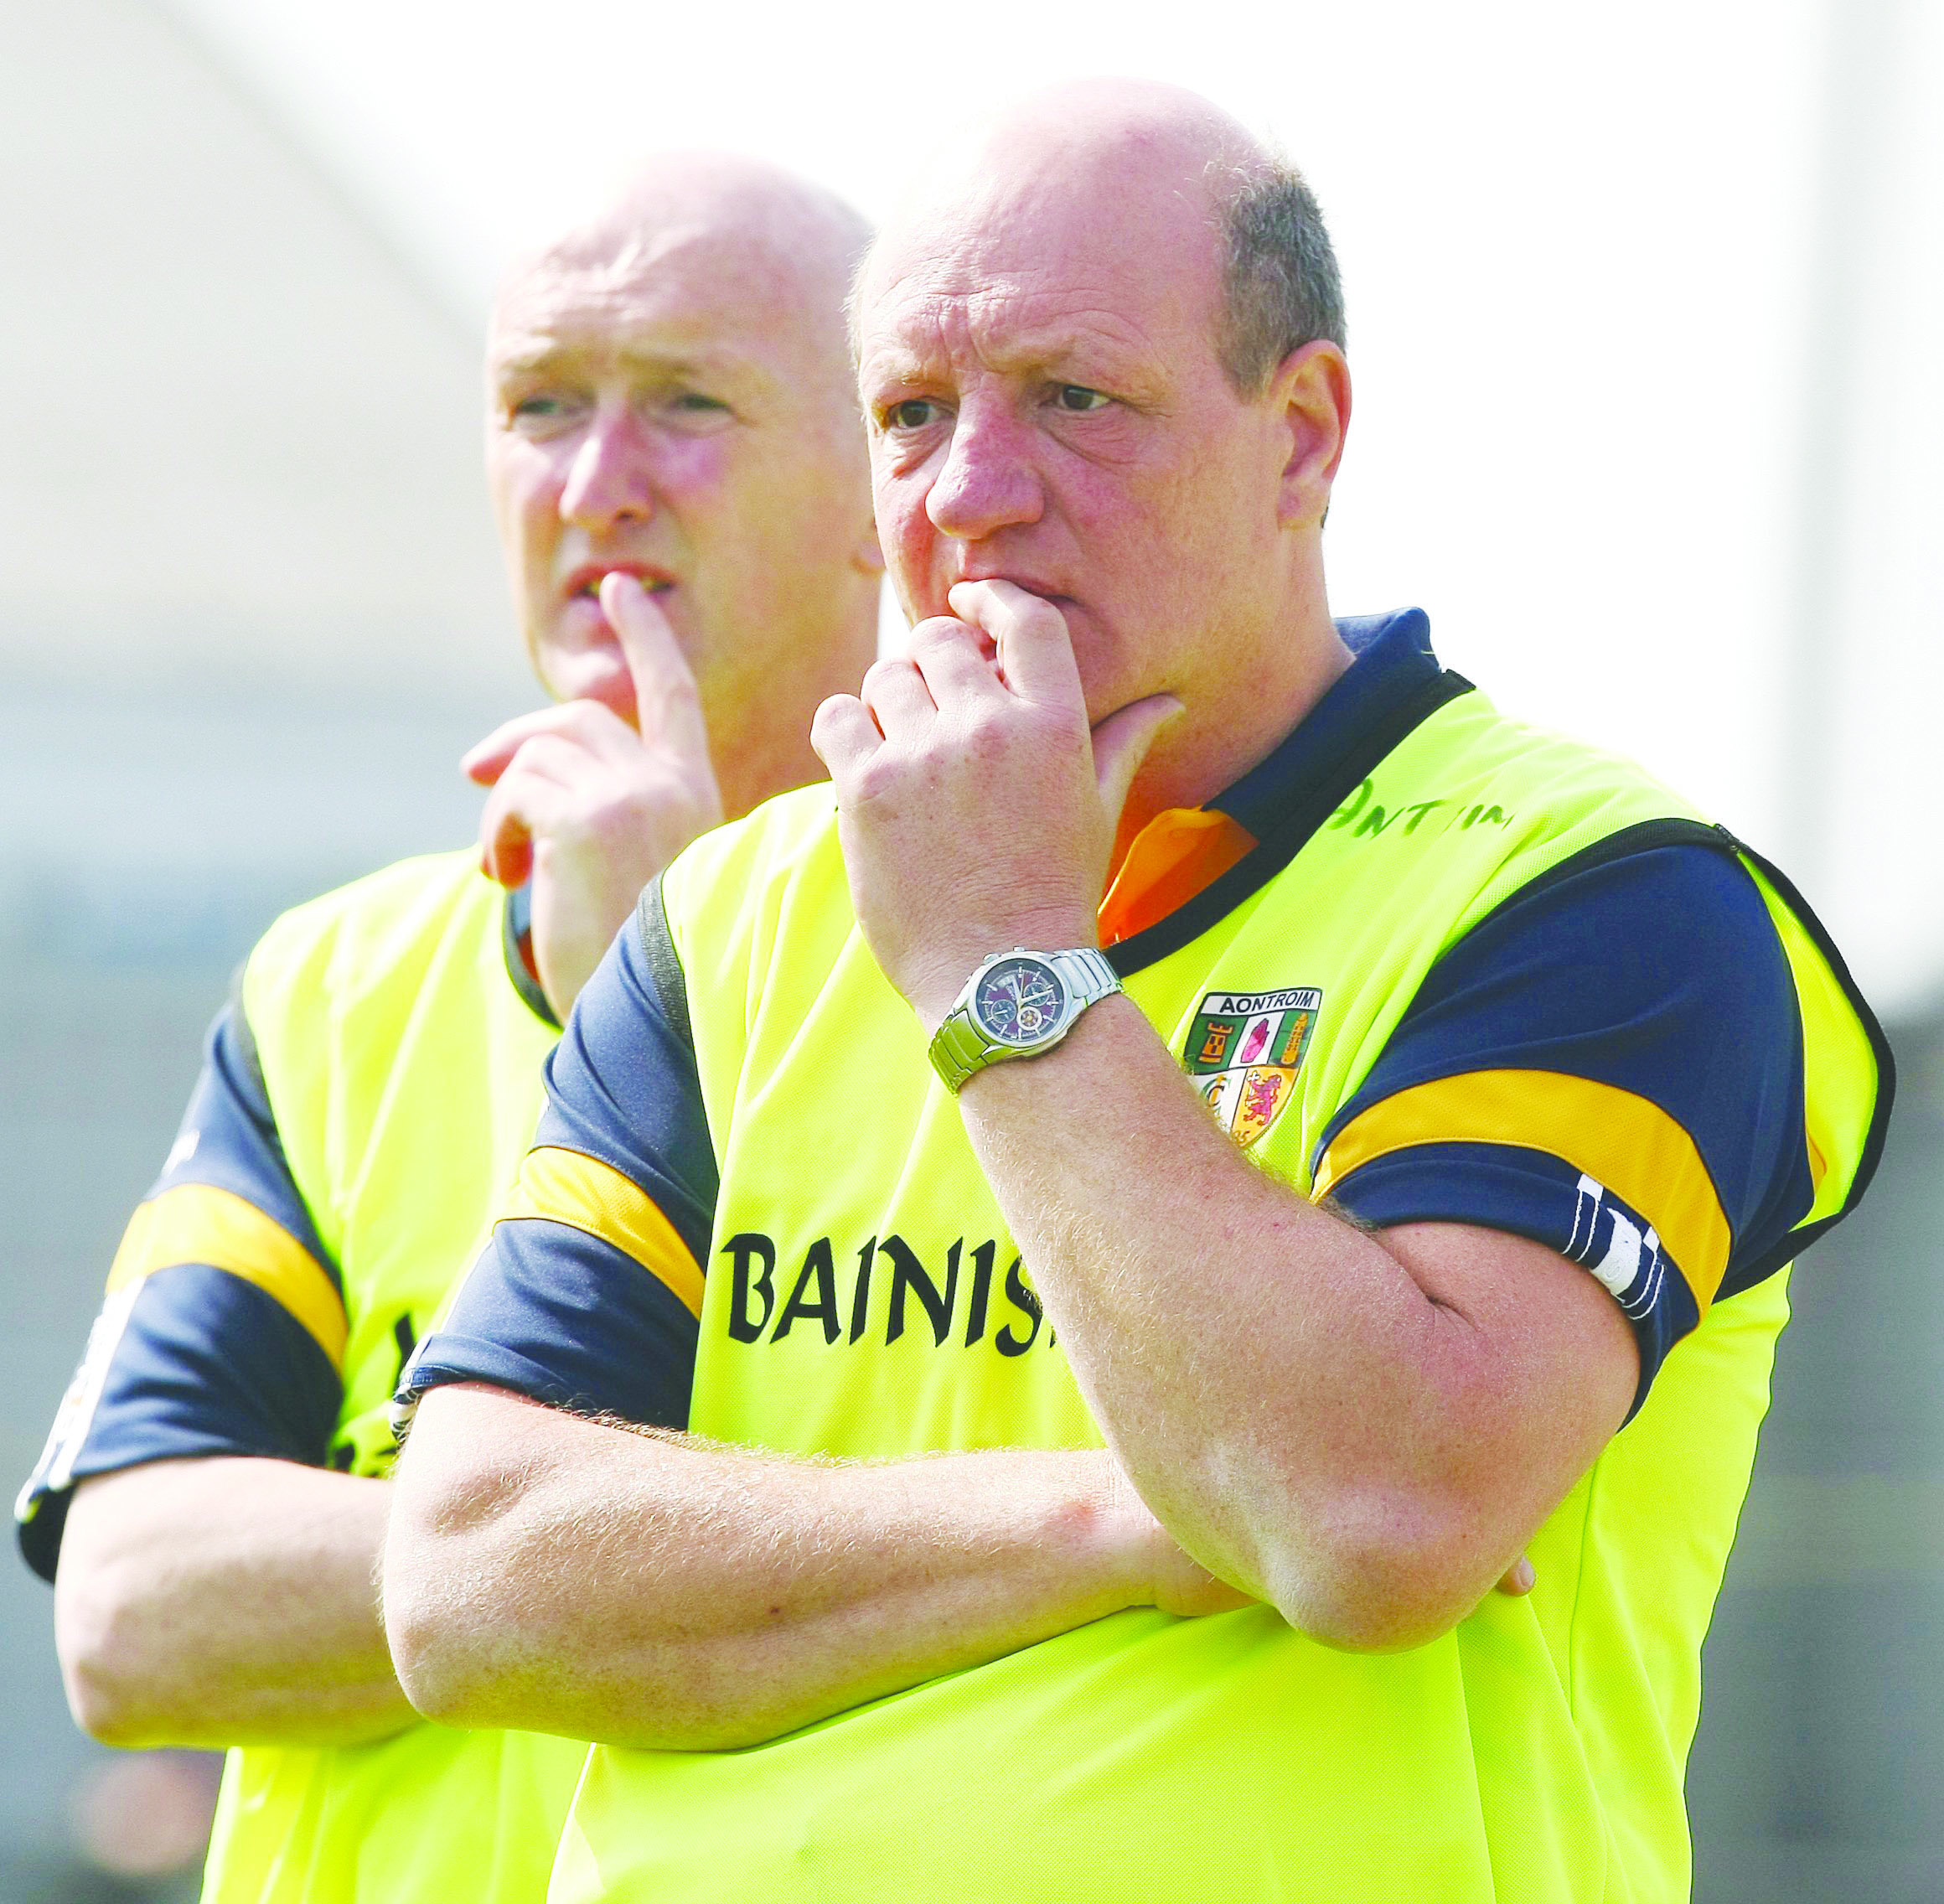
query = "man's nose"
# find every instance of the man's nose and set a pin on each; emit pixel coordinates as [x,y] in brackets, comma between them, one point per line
[609,480]
[988,480]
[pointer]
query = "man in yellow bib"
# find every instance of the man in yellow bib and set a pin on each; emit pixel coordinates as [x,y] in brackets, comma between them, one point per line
[682,492]
[1057,1271]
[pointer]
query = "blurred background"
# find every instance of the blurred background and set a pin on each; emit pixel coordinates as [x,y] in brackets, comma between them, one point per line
[1644,305]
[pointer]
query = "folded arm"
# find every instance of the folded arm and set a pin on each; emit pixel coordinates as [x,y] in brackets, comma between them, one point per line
[1615,1120]
[1364,1430]
[214,1576]
[568,1576]
[226,1602]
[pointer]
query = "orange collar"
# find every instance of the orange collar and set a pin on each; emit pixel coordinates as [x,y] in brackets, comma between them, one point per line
[1176,854]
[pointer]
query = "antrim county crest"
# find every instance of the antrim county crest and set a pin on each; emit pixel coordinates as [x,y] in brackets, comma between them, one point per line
[1244,1052]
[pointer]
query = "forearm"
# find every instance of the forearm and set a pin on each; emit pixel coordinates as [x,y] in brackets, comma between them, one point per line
[226,1602]
[645,1592]
[1326,1418]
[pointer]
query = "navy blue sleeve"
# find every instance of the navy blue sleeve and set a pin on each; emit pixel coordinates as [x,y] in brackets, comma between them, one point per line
[1611,1064]
[589,1293]
[223,1328]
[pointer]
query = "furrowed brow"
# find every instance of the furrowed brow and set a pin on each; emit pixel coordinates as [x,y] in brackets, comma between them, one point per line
[1066,341]
[723,369]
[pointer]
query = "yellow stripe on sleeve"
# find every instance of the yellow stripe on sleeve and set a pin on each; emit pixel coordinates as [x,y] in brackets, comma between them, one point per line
[1618,1138]
[566,1186]
[197,1223]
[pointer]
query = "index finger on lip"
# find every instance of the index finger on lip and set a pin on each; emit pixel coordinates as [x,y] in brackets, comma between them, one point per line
[667,704]
[1035,649]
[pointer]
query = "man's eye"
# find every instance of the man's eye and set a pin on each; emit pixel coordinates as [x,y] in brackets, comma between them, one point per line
[543,412]
[913,413]
[1079,400]
[695,403]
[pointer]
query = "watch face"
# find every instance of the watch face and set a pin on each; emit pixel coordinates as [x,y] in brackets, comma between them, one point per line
[1018,1001]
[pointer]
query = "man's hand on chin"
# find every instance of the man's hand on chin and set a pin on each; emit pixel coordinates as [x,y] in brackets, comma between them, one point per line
[977,811]
[591,809]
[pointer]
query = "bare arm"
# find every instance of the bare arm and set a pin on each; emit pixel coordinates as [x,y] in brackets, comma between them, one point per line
[565,1575]
[1363,1429]
[224,1601]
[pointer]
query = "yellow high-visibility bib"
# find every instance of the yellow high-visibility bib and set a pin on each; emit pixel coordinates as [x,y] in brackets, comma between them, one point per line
[863,1299]
[403,1071]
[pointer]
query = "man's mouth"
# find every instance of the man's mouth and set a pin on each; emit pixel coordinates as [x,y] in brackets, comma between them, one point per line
[1033,585]
[585,582]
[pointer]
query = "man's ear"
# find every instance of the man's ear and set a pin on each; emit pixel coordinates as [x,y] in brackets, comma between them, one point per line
[867,554]
[1310,394]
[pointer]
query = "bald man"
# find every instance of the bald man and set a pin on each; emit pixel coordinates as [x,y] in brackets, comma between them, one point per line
[681,490]
[1187,1158]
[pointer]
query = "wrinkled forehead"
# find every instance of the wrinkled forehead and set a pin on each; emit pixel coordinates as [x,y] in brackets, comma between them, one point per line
[682,290]
[1006,263]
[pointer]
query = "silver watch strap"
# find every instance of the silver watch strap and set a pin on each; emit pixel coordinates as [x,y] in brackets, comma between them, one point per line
[960,1050]
[1089,976]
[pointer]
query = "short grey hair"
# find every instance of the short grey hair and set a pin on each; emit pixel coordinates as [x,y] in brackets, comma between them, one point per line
[1280,286]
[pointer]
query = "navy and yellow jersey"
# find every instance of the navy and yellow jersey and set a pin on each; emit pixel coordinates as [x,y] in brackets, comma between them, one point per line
[1609,1062]
[624,1171]
[224,1327]
[365,1104]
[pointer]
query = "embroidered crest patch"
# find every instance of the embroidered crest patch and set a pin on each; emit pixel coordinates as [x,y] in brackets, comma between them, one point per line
[1245,1050]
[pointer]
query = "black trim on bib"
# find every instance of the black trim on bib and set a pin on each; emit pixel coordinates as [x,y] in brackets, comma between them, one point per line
[1292,831]
[664,963]
[1798,1241]
[516,923]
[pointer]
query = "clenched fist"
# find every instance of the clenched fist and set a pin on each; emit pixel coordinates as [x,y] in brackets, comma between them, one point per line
[977,810]
[590,808]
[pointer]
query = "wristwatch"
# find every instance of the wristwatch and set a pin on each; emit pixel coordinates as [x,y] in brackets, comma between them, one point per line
[1018,1004]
